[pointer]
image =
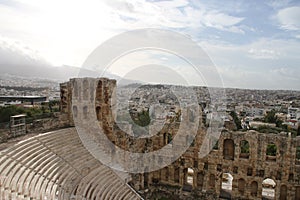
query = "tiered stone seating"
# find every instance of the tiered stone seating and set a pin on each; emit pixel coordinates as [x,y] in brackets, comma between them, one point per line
[55,165]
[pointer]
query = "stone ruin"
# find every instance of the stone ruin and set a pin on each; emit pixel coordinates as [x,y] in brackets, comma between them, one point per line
[242,156]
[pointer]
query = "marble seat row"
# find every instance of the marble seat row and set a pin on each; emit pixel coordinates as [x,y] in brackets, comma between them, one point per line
[57,166]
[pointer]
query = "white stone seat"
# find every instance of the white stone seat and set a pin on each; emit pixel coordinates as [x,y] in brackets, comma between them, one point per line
[48,167]
[103,176]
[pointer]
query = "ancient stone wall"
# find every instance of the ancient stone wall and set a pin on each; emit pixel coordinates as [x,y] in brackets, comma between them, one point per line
[248,169]
[250,157]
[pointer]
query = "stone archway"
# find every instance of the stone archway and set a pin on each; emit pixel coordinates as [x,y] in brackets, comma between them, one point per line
[190,177]
[268,188]
[244,149]
[226,185]
[200,180]
[253,188]
[241,186]
[228,149]
[283,192]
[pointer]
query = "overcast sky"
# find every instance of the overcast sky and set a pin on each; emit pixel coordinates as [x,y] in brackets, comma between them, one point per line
[254,44]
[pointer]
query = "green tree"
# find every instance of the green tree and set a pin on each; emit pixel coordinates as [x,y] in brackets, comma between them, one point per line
[236,120]
[143,118]
[271,117]
[245,148]
[6,112]
[271,149]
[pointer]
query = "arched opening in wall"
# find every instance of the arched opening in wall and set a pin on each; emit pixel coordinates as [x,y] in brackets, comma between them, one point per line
[245,149]
[76,89]
[98,113]
[271,152]
[249,171]
[228,149]
[268,189]
[75,111]
[297,193]
[200,180]
[146,179]
[212,181]
[297,161]
[283,192]
[226,187]
[165,174]
[85,89]
[99,84]
[99,95]
[85,112]
[291,177]
[167,138]
[253,188]
[190,177]
[241,186]
[176,175]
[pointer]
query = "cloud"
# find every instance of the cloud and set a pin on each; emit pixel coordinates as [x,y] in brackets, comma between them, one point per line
[266,63]
[147,14]
[65,32]
[16,52]
[175,14]
[272,52]
[18,59]
[289,18]
[217,19]
[263,53]
[275,4]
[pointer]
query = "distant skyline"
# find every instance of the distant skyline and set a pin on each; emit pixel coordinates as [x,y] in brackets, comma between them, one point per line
[254,44]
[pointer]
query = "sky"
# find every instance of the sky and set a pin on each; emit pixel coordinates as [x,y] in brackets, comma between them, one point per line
[253,44]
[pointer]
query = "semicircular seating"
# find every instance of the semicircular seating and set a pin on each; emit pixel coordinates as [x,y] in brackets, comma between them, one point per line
[56,165]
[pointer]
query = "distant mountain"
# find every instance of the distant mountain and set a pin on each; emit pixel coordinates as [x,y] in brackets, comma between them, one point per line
[58,74]
[22,62]
[48,72]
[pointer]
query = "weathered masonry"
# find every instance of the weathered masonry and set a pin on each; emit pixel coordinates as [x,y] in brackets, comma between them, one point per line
[248,158]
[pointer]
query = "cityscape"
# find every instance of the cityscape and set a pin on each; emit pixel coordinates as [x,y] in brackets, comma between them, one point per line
[271,115]
[149,100]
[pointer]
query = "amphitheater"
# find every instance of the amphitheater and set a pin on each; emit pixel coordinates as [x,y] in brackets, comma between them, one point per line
[56,165]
